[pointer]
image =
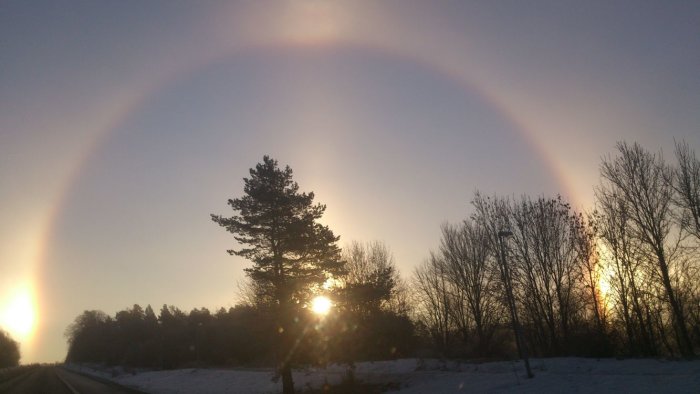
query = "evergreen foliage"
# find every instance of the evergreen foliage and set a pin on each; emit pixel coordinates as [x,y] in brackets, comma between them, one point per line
[292,253]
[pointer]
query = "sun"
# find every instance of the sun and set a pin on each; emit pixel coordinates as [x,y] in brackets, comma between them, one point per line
[321,305]
[18,316]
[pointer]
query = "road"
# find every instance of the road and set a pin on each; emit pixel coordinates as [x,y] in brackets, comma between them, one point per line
[49,379]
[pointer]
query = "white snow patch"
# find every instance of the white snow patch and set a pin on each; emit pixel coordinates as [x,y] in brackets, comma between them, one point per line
[552,375]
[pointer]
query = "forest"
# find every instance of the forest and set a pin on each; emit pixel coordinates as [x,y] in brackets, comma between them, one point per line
[369,321]
[516,274]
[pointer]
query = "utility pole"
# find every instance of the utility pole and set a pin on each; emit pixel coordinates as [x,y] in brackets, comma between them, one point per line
[505,272]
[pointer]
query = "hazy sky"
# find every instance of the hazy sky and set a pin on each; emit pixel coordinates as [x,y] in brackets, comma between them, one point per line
[125,124]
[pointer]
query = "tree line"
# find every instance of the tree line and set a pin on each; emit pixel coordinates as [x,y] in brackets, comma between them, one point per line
[369,321]
[622,279]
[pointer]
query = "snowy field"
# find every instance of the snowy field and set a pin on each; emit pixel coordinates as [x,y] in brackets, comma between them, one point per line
[552,375]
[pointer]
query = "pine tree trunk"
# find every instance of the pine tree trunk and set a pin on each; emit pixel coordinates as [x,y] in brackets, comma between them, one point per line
[287,382]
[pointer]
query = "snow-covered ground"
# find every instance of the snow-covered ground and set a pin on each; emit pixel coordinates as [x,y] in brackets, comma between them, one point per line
[552,375]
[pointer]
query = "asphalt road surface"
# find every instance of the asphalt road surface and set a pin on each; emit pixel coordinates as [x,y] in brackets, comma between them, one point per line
[50,380]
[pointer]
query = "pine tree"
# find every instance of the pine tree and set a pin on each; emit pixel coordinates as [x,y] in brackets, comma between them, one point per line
[292,253]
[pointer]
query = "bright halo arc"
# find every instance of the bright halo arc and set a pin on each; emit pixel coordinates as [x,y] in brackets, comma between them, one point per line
[321,305]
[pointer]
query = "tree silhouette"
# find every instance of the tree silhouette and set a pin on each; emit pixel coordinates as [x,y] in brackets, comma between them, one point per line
[9,351]
[90,338]
[468,255]
[372,276]
[687,185]
[292,253]
[643,183]
[370,315]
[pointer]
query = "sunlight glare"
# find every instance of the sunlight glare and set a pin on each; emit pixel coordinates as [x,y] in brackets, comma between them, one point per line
[18,315]
[605,275]
[330,283]
[321,305]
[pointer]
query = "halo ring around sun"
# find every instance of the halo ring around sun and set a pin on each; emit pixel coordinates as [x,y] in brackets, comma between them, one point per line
[135,101]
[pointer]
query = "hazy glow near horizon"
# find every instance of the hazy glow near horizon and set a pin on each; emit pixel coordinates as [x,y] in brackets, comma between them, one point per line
[605,272]
[18,314]
[124,125]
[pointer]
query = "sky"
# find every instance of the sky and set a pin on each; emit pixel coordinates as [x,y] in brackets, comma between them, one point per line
[125,124]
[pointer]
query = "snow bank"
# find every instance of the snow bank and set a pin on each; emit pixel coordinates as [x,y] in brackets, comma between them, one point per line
[435,376]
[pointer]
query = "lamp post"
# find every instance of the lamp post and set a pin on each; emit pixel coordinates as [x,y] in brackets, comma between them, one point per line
[505,271]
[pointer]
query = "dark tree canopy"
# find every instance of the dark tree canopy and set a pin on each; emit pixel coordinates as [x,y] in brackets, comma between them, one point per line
[9,351]
[278,229]
[87,337]
[292,253]
[372,276]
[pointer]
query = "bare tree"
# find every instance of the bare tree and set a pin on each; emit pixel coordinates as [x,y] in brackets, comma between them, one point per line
[400,301]
[433,293]
[644,184]
[591,270]
[470,258]
[687,185]
[628,268]
[372,278]
[545,263]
